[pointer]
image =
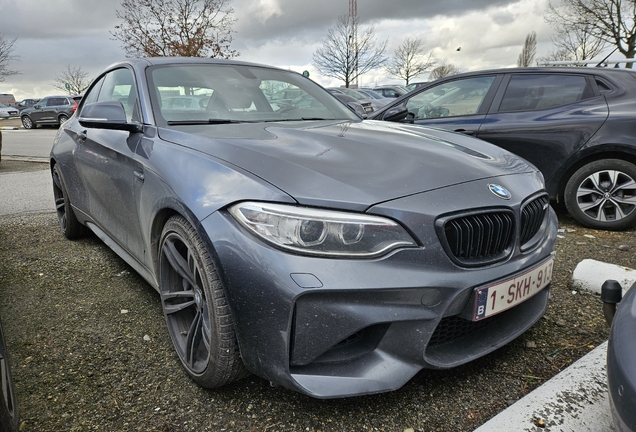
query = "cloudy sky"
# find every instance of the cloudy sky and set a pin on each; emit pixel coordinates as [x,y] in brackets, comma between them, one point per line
[285,33]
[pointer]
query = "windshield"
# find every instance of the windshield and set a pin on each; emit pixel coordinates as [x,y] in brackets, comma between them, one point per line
[221,93]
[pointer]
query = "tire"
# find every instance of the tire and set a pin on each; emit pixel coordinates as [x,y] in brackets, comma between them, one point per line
[9,415]
[27,123]
[195,308]
[62,119]
[71,227]
[602,195]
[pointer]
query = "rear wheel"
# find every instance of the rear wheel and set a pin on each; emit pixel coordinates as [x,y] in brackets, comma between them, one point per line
[71,228]
[62,119]
[27,122]
[195,307]
[602,194]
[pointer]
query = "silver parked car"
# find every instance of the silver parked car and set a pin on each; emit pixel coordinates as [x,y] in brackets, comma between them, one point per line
[7,111]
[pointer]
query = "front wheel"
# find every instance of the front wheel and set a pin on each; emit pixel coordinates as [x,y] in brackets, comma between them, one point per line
[602,194]
[195,307]
[27,123]
[9,417]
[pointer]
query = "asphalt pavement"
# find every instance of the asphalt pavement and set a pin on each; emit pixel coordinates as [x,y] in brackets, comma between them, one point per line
[575,400]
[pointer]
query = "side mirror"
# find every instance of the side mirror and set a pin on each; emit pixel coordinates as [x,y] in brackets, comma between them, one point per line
[107,115]
[396,114]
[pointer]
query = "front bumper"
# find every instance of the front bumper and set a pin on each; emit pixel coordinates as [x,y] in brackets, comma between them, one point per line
[621,364]
[336,327]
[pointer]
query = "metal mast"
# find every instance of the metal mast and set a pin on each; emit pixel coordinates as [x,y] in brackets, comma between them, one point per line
[353,38]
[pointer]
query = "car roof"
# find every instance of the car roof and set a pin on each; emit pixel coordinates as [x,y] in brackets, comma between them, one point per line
[155,61]
[547,69]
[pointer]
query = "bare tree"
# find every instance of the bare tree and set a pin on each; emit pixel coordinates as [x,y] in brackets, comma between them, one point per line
[76,79]
[6,56]
[528,51]
[443,70]
[611,21]
[349,52]
[187,28]
[578,41]
[409,60]
[556,55]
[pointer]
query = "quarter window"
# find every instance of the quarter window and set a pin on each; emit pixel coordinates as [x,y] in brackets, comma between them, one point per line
[119,86]
[542,91]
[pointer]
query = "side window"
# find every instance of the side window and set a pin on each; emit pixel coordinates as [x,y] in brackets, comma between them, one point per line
[56,102]
[119,85]
[454,98]
[541,91]
[44,102]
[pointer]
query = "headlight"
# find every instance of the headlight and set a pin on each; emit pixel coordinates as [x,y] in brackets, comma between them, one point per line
[321,232]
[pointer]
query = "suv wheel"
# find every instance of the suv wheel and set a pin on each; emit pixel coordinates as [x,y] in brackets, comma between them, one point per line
[62,119]
[27,123]
[602,194]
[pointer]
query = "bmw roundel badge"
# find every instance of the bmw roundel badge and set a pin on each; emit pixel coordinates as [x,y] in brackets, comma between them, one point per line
[500,191]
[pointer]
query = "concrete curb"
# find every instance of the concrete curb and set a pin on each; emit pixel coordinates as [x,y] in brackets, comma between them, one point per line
[575,400]
[8,128]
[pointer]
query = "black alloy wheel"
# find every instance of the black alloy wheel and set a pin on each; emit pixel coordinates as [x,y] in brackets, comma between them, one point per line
[195,307]
[9,416]
[71,227]
[27,122]
[602,194]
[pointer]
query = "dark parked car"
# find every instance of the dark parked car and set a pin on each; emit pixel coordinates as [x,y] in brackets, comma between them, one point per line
[324,253]
[26,103]
[51,110]
[9,417]
[416,85]
[391,91]
[369,104]
[621,354]
[575,124]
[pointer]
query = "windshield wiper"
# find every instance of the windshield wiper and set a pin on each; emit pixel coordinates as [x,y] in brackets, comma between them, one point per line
[202,122]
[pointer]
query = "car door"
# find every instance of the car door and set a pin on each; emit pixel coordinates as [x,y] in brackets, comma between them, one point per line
[545,117]
[38,113]
[458,104]
[50,111]
[105,160]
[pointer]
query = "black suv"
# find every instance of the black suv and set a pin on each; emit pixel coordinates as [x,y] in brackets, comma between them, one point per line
[51,110]
[575,124]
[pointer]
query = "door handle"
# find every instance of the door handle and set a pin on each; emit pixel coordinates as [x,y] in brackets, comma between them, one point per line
[465,131]
[139,175]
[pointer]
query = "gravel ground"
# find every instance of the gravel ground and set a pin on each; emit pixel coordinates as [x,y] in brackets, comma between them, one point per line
[90,349]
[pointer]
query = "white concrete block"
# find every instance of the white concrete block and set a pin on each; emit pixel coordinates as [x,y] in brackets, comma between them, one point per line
[590,274]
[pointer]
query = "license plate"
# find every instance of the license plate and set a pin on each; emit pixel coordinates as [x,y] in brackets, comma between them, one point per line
[492,299]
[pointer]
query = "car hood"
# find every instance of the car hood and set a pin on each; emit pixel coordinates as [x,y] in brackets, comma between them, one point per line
[349,164]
